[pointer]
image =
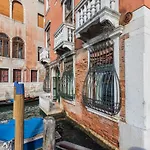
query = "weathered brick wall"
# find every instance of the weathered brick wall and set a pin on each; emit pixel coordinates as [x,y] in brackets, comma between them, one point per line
[105,129]
[122,74]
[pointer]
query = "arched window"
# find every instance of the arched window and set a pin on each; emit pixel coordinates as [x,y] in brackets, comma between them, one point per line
[17,11]
[4,45]
[18,48]
[4,7]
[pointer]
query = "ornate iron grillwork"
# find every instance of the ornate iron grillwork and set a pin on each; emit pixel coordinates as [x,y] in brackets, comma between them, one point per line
[67,91]
[101,90]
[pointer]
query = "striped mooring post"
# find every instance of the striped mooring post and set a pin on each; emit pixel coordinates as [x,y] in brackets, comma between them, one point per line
[19,115]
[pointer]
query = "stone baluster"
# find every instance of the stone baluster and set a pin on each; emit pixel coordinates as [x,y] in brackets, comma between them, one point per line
[77,19]
[98,5]
[70,35]
[64,34]
[89,10]
[85,13]
[93,7]
[112,4]
[81,17]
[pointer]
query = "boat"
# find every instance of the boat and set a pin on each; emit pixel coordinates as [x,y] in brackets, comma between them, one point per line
[26,100]
[33,134]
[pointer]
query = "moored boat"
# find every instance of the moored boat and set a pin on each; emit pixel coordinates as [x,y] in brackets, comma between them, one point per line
[10,101]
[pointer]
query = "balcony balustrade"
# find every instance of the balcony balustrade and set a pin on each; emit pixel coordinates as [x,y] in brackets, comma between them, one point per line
[91,12]
[64,38]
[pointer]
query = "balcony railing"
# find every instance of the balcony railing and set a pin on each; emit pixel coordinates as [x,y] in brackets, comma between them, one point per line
[64,37]
[90,11]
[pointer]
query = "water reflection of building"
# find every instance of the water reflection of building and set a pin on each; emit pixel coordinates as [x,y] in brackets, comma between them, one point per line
[21,36]
[100,50]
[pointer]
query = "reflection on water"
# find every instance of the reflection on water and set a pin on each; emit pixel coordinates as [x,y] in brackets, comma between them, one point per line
[31,109]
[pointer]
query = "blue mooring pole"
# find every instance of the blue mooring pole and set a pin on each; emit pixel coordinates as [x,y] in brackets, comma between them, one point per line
[15,83]
[19,115]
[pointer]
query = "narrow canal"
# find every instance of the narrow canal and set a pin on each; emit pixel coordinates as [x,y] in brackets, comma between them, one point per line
[68,131]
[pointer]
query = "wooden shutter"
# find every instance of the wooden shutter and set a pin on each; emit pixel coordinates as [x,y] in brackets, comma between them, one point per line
[17,13]
[4,7]
[40,21]
[33,75]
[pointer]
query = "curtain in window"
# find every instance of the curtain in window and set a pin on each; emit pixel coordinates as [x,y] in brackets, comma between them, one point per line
[101,87]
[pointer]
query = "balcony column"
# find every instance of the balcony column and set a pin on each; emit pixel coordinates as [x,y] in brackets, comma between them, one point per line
[81,17]
[77,19]
[89,10]
[85,13]
[112,4]
[65,34]
[93,7]
[98,5]
[105,3]
[70,35]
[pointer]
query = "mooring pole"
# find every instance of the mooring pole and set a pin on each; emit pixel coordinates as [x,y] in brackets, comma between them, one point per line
[19,117]
[49,133]
[15,83]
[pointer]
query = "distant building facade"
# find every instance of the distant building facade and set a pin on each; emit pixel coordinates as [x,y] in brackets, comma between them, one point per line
[21,38]
[99,67]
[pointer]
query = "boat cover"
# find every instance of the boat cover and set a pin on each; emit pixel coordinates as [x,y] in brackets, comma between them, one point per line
[32,127]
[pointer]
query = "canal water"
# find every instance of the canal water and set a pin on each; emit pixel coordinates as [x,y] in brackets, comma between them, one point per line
[68,131]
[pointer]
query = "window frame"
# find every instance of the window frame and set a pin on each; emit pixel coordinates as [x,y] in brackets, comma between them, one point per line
[14,75]
[36,75]
[18,43]
[101,62]
[40,15]
[2,49]
[1,80]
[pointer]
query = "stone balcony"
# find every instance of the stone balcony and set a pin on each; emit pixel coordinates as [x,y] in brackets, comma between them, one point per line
[64,39]
[93,15]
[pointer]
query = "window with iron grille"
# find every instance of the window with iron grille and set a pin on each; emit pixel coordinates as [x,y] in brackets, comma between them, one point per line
[67,80]
[38,53]
[4,45]
[3,75]
[17,48]
[33,75]
[16,75]
[101,87]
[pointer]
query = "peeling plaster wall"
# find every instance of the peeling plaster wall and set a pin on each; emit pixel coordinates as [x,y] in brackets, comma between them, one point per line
[33,36]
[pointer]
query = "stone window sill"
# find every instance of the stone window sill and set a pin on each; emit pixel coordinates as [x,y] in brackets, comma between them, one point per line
[112,118]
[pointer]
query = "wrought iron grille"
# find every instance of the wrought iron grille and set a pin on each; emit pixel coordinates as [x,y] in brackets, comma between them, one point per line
[66,90]
[101,90]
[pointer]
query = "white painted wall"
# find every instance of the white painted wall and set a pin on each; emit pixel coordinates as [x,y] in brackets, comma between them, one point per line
[135,133]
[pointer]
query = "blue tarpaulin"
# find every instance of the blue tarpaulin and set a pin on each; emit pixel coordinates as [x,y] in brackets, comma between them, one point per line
[32,127]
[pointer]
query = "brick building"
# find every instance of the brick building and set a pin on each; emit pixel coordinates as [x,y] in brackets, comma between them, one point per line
[21,37]
[98,70]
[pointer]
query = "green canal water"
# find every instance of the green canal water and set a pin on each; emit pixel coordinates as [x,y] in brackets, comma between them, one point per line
[68,131]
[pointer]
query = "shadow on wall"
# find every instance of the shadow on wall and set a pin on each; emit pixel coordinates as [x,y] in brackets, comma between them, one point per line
[136,148]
